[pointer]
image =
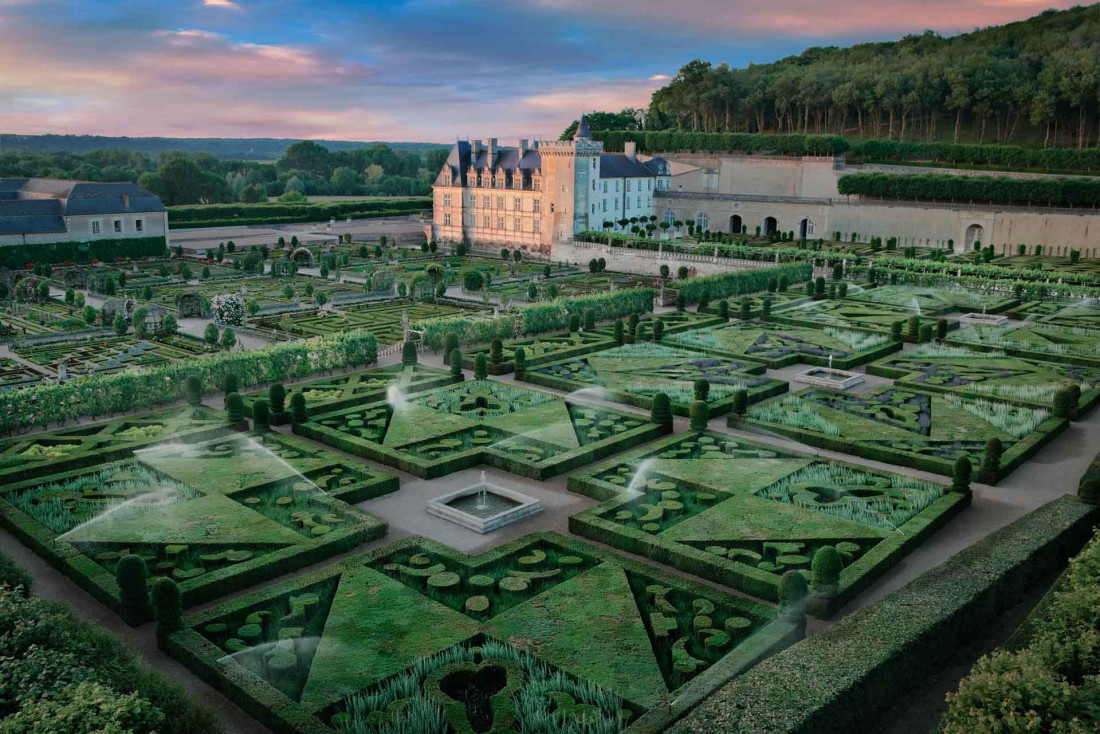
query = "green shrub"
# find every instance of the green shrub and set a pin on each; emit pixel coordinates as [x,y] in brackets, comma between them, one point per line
[793,589]
[819,286]
[960,476]
[1065,401]
[167,608]
[450,342]
[810,287]
[496,351]
[261,415]
[132,578]
[746,310]
[661,411]
[985,189]
[617,331]
[925,333]
[481,367]
[724,310]
[681,300]
[409,356]
[740,402]
[589,319]
[784,281]
[456,363]
[912,325]
[230,383]
[574,323]
[991,460]
[192,390]
[895,331]
[276,396]
[658,329]
[298,412]
[520,359]
[766,311]
[941,328]
[234,407]
[826,567]
[699,413]
[702,389]
[14,577]
[703,303]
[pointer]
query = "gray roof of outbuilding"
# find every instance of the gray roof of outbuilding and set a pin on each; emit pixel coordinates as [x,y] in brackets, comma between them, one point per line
[620,166]
[20,224]
[110,198]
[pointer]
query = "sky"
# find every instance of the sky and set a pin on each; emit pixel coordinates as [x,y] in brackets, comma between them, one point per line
[403,70]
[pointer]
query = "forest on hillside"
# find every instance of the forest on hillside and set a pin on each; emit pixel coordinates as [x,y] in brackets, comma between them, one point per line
[1035,82]
[305,169]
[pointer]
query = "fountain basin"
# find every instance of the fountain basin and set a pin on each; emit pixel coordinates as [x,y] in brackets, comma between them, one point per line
[484,507]
[831,378]
[989,319]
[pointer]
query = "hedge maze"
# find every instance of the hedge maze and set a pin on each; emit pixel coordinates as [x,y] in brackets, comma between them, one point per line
[634,373]
[1035,340]
[991,375]
[1080,314]
[13,373]
[446,429]
[742,513]
[845,313]
[543,629]
[384,321]
[897,425]
[933,301]
[779,345]
[536,350]
[111,354]
[214,516]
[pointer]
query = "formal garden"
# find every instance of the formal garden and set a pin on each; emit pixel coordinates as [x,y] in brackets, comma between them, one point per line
[113,353]
[544,633]
[384,320]
[1082,313]
[1078,345]
[440,431]
[847,313]
[635,373]
[933,301]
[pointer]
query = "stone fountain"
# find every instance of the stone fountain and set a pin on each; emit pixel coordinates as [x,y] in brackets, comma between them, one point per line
[484,507]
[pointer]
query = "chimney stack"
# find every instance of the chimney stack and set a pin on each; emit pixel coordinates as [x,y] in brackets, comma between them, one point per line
[491,150]
[630,148]
[522,147]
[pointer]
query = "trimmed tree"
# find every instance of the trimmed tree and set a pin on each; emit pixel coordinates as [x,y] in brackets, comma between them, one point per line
[960,477]
[298,408]
[766,310]
[895,331]
[941,328]
[826,567]
[481,367]
[574,323]
[617,330]
[192,390]
[746,309]
[234,406]
[520,359]
[658,329]
[699,414]
[276,396]
[450,342]
[456,363]
[589,319]
[740,402]
[1065,400]
[496,351]
[167,608]
[408,354]
[661,411]
[912,327]
[230,383]
[724,310]
[261,415]
[792,597]
[991,460]
[702,389]
[133,589]
[681,301]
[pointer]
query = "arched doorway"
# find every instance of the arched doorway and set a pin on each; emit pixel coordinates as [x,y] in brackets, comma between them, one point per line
[302,256]
[974,234]
[735,224]
[770,225]
[806,229]
[189,305]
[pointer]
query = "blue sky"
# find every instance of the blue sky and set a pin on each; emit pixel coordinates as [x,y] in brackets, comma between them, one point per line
[388,70]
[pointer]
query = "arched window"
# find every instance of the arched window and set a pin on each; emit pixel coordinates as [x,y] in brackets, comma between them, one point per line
[702,221]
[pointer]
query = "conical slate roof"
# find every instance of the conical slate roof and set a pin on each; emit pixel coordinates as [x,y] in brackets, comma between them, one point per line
[583,133]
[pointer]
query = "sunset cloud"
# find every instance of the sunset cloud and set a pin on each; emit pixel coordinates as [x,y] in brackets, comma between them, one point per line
[417,70]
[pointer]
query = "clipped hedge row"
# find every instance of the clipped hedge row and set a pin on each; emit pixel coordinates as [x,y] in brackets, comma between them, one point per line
[122,392]
[17,257]
[841,678]
[741,282]
[1063,159]
[290,219]
[1035,284]
[992,189]
[672,140]
[266,212]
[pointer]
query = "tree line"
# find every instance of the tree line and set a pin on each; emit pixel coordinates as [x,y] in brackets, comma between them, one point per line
[307,168]
[1035,81]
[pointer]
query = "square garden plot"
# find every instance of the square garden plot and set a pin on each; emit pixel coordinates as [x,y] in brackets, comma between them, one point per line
[417,637]
[1047,342]
[333,393]
[114,353]
[673,321]
[537,350]
[933,301]
[896,425]
[780,345]
[634,373]
[779,299]
[83,445]
[382,320]
[974,374]
[17,374]
[524,431]
[1082,314]
[742,514]
[849,314]
[216,516]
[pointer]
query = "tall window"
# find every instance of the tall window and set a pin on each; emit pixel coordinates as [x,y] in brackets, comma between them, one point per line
[485,202]
[446,199]
[139,225]
[605,187]
[485,221]
[517,204]
[515,225]
[118,226]
[536,184]
[670,216]
[500,222]
[639,202]
[702,221]
[538,225]
[500,202]
[538,205]
[446,219]
[95,227]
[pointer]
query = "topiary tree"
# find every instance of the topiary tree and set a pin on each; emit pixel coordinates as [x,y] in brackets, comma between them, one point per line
[589,319]
[1065,400]
[192,390]
[826,567]
[941,328]
[960,477]
[409,356]
[895,331]
[658,329]
[574,323]
[699,413]
[766,310]
[724,310]
[991,460]
[702,389]
[838,271]
[298,408]
[792,597]
[661,410]
[210,334]
[617,331]
[234,406]
[261,415]
[456,364]
[276,396]
[1089,490]
[450,342]
[496,351]
[783,283]
[520,359]
[230,383]
[809,287]
[704,301]
[681,301]
[229,338]
[167,608]
[925,333]
[133,589]
[481,367]
[819,286]
[912,326]
[746,309]
[120,325]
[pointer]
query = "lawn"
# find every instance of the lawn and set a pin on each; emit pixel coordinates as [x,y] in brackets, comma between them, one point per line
[779,345]
[992,374]
[932,301]
[216,516]
[446,429]
[543,634]
[922,430]
[634,373]
[1082,314]
[846,313]
[741,513]
[1035,340]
